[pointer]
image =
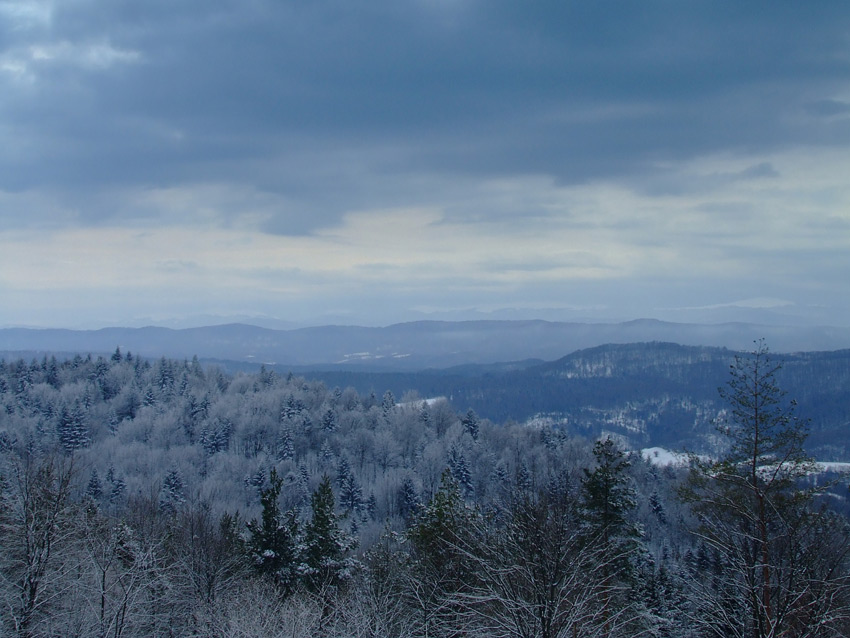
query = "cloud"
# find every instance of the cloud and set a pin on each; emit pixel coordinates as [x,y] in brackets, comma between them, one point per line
[522,149]
[828,108]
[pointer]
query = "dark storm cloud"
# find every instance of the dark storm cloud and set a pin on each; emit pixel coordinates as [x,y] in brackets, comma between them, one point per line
[331,104]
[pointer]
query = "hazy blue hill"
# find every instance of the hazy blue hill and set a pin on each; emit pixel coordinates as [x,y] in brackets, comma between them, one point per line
[650,394]
[412,346]
[627,379]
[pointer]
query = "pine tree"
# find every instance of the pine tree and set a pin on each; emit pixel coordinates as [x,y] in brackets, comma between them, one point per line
[94,489]
[171,495]
[325,544]
[350,495]
[758,517]
[72,429]
[272,539]
[607,495]
[607,501]
[408,499]
[343,470]
[440,563]
[285,445]
[460,470]
[470,423]
[439,525]
[329,420]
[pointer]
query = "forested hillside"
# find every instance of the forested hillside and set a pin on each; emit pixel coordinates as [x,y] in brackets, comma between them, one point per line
[647,394]
[165,498]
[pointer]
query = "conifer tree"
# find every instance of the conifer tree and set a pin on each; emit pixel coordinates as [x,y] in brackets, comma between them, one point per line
[470,423]
[758,518]
[94,489]
[607,495]
[607,500]
[325,545]
[271,542]
[171,496]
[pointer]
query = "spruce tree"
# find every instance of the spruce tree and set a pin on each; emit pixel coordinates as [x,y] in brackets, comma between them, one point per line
[607,501]
[325,545]
[757,516]
[271,541]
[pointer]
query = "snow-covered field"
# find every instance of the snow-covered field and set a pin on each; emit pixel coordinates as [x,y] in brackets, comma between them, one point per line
[662,457]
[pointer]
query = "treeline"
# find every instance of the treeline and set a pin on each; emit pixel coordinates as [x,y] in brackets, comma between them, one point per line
[648,394]
[160,498]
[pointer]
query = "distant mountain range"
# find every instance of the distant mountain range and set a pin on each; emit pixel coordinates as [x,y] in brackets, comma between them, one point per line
[649,382]
[410,346]
[646,394]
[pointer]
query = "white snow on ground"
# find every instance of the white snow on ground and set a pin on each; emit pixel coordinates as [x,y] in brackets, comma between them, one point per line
[662,457]
[368,356]
[418,403]
[835,466]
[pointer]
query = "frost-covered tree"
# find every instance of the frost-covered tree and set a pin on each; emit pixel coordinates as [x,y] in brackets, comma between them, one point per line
[271,541]
[756,513]
[535,574]
[440,568]
[324,553]
[36,525]
[94,488]
[408,499]
[172,494]
[72,428]
[471,423]
[607,500]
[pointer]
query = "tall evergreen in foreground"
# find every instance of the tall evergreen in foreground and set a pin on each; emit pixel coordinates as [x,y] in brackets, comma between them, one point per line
[781,568]
[272,539]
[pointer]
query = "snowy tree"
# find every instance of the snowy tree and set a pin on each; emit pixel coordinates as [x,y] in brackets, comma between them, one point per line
[772,577]
[536,575]
[272,540]
[387,404]
[94,488]
[171,495]
[35,524]
[470,423]
[408,499]
[325,547]
[71,426]
[607,500]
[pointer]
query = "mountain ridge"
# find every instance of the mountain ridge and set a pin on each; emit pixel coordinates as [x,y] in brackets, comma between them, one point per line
[415,345]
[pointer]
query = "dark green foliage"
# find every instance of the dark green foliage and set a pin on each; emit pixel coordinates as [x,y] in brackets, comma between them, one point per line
[758,518]
[408,499]
[271,541]
[350,495]
[171,495]
[325,545]
[436,531]
[607,494]
[94,489]
[470,423]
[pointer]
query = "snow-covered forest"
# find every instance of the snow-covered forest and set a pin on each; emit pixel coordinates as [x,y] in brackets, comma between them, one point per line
[162,498]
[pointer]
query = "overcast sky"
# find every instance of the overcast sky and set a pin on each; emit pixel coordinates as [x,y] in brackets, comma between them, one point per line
[370,162]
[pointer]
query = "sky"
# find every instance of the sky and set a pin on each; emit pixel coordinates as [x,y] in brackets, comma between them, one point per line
[188,161]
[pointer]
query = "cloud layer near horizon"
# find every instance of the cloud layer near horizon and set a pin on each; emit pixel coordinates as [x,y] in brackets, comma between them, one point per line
[367,160]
